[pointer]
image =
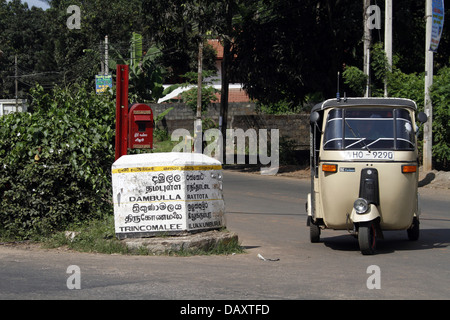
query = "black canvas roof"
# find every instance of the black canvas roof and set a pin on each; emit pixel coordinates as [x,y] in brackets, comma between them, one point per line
[358,102]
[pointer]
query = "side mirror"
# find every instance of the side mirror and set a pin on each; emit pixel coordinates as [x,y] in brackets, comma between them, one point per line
[314,117]
[422,117]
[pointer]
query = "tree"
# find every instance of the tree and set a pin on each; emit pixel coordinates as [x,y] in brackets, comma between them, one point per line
[288,49]
[145,73]
[22,31]
[48,52]
[176,26]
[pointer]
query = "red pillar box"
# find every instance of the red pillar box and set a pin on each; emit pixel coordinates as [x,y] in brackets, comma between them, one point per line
[140,117]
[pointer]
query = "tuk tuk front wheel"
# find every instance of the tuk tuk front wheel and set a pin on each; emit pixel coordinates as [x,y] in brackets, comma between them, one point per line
[367,238]
[413,232]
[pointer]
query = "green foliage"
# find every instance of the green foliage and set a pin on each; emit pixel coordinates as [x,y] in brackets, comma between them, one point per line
[178,26]
[97,235]
[160,134]
[277,60]
[440,96]
[145,74]
[411,86]
[379,62]
[190,96]
[146,78]
[356,80]
[281,107]
[56,162]
[208,95]
[287,152]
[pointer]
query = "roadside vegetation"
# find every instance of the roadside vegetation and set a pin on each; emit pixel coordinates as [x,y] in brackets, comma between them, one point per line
[409,85]
[99,236]
[55,177]
[55,160]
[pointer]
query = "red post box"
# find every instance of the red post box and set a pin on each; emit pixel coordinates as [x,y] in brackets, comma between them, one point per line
[140,127]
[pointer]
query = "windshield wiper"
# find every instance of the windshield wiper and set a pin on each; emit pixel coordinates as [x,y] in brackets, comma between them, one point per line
[357,136]
[357,141]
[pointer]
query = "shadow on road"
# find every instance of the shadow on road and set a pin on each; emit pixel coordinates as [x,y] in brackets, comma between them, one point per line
[394,241]
[427,179]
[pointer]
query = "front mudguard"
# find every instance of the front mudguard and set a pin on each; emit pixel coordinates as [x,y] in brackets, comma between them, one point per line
[419,206]
[370,215]
[308,205]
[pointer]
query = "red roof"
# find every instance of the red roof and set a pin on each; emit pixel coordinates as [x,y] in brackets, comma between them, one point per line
[235,95]
[215,43]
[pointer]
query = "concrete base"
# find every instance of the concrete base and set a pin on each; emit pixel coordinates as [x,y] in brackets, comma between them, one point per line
[188,242]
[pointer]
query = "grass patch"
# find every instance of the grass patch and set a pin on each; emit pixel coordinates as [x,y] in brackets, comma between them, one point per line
[94,236]
[99,236]
[164,146]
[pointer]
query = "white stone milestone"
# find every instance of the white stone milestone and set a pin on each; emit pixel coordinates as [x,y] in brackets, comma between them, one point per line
[166,193]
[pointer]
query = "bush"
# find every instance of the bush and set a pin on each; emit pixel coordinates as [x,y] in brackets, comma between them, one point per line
[56,162]
[208,95]
[356,81]
[440,95]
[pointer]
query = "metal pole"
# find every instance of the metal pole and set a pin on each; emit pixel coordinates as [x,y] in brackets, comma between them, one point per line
[102,67]
[388,41]
[199,80]
[427,130]
[106,56]
[16,77]
[198,137]
[367,42]
[223,118]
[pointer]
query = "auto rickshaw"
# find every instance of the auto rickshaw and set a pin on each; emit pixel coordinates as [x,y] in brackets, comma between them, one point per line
[364,168]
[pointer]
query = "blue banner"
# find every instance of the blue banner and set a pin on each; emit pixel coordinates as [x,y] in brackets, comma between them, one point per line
[438,24]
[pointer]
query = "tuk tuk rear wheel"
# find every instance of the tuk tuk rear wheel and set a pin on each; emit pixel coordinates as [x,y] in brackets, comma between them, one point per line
[314,232]
[367,238]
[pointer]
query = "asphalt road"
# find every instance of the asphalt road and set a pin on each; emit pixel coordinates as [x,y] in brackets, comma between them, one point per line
[269,217]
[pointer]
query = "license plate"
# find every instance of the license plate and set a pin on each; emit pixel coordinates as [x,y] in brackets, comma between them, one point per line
[366,155]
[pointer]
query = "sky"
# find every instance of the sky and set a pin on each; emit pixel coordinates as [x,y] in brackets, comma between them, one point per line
[36,3]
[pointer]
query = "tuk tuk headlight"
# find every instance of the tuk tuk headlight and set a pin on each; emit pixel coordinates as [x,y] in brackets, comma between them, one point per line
[361,206]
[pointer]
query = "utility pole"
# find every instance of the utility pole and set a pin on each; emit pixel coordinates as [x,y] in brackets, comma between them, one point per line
[16,77]
[199,80]
[428,128]
[223,117]
[106,56]
[388,41]
[100,49]
[367,43]
[198,137]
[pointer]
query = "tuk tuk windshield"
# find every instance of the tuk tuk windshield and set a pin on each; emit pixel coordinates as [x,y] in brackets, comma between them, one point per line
[367,129]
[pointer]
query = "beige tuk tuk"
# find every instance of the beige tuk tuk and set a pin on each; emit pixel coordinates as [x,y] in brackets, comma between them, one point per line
[364,168]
